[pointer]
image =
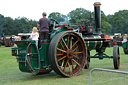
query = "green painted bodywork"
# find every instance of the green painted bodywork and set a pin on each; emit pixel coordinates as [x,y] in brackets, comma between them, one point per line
[125,45]
[94,42]
[43,52]
[57,30]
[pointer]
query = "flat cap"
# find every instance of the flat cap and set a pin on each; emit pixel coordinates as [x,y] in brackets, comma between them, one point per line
[44,14]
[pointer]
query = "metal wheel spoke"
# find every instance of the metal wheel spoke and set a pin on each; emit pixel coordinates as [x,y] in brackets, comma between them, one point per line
[62,45]
[72,65]
[68,39]
[76,62]
[77,52]
[65,65]
[59,54]
[74,43]
[61,58]
[65,43]
[70,43]
[75,56]
[61,50]
[62,63]
[69,67]
[75,48]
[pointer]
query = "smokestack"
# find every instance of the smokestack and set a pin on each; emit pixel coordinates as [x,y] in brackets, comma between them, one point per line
[97,17]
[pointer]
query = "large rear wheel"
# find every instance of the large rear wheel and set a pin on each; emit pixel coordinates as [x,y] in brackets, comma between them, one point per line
[67,53]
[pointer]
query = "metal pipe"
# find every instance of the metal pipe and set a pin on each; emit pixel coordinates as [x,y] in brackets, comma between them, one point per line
[107,70]
[97,17]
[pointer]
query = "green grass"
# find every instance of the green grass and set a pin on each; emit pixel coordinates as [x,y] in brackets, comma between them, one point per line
[11,75]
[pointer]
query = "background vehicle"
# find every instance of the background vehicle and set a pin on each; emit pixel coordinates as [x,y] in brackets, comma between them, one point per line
[7,41]
[118,39]
[125,44]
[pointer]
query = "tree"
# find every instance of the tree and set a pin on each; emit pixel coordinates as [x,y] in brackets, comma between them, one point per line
[105,25]
[57,16]
[119,22]
[1,23]
[8,26]
[19,25]
[78,15]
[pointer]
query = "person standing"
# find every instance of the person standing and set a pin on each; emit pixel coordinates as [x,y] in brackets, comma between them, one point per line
[35,35]
[44,24]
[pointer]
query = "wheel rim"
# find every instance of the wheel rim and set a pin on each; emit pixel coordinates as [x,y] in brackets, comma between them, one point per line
[70,55]
[118,58]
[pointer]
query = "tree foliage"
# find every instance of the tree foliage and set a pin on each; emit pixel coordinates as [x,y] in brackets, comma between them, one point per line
[119,22]
[78,15]
[18,25]
[109,24]
[105,25]
[1,23]
[57,16]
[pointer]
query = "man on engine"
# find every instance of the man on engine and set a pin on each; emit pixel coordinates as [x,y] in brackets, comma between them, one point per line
[44,24]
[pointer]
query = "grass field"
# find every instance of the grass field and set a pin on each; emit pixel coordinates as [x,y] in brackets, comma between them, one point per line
[11,75]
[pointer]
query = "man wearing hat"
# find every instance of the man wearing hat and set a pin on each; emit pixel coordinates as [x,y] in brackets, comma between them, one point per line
[44,27]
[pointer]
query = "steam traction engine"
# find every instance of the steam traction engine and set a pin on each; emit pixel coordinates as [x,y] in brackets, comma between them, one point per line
[67,52]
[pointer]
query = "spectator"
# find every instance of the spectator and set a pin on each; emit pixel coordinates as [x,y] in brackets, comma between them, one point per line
[35,35]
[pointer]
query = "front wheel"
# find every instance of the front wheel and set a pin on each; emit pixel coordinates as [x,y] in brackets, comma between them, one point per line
[67,53]
[116,57]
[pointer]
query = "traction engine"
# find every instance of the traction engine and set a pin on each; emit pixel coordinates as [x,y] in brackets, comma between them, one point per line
[67,52]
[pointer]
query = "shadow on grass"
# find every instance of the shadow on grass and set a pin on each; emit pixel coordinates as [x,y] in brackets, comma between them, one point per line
[51,75]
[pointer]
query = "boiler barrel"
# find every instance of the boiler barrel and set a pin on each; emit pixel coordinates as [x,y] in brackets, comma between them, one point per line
[94,44]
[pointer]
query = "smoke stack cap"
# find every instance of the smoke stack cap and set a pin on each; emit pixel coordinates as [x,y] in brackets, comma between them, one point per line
[97,4]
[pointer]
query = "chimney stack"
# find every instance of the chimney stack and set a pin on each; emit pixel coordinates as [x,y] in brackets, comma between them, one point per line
[97,17]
